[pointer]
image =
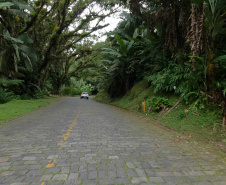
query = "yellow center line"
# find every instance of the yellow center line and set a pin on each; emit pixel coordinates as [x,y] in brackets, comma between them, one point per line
[53,161]
[69,130]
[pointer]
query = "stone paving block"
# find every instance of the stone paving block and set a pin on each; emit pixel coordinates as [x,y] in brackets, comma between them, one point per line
[91,167]
[178,174]
[90,155]
[65,169]
[138,180]
[20,178]
[32,162]
[130,165]
[102,173]
[113,157]
[196,173]
[9,179]
[29,158]
[112,173]
[5,168]
[73,176]
[121,173]
[46,177]
[106,181]
[73,182]
[122,181]
[208,168]
[145,165]
[204,183]
[163,174]
[190,179]
[101,166]
[137,164]
[7,173]
[150,172]
[5,164]
[19,167]
[92,175]
[55,183]
[52,170]
[35,183]
[35,167]
[210,172]
[74,169]
[32,178]
[3,159]
[35,172]
[83,175]
[219,183]
[140,172]
[131,173]
[59,177]
[156,179]
[173,179]
[83,168]
[111,166]
[89,182]
[52,157]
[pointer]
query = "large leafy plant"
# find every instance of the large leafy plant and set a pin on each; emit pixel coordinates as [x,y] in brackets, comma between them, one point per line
[119,63]
[16,56]
[157,103]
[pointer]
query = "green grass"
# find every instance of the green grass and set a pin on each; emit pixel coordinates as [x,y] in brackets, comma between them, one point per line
[206,127]
[16,108]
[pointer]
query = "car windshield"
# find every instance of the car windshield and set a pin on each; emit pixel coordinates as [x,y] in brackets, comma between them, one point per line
[84,93]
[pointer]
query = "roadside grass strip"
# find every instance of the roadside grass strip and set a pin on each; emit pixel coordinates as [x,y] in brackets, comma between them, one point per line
[17,108]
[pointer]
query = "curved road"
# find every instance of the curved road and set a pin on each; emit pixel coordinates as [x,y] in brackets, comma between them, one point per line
[77,141]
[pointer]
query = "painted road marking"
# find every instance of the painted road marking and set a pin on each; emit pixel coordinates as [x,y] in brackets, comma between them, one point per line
[69,130]
[53,161]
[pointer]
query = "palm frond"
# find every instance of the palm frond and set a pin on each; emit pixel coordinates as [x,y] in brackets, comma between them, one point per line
[29,52]
[5,4]
[25,39]
[8,37]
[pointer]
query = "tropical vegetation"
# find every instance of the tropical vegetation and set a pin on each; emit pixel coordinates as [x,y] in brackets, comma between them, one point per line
[45,43]
[177,46]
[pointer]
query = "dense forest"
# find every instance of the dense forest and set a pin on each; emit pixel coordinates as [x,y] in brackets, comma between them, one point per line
[178,46]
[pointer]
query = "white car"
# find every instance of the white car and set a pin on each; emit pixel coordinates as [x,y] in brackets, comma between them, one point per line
[85,95]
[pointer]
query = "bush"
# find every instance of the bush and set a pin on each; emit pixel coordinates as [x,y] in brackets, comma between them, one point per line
[103,96]
[6,96]
[156,104]
[68,91]
[25,97]
[41,94]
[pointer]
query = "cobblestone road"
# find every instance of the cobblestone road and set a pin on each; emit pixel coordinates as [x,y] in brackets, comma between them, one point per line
[84,142]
